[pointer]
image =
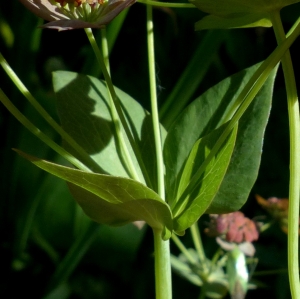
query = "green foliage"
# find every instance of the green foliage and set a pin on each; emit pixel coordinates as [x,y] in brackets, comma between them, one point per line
[200,182]
[238,14]
[111,200]
[192,204]
[49,246]
[207,113]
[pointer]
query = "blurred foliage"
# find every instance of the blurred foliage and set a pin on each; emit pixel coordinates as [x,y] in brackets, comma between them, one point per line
[47,245]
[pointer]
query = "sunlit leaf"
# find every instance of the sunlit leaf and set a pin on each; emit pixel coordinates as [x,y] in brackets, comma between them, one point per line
[84,109]
[109,199]
[199,199]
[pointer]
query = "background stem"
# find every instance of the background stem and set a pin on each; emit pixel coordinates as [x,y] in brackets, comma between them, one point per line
[38,133]
[85,158]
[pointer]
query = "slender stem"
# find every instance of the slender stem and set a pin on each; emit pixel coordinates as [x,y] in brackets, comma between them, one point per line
[125,155]
[154,109]
[117,105]
[199,247]
[183,249]
[167,4]
[163,282]
[246,97]
[105,50]
[294,191]
[35,131]
[87,160]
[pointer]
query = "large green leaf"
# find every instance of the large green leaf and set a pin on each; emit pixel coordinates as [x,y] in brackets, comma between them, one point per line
[196,202]
[238,13]
[207,113]
[112,200]
[84,109]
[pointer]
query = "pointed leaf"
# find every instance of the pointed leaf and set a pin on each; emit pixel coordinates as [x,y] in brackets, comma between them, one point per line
[207,113]
[245,161]
[109,199]
[196,203]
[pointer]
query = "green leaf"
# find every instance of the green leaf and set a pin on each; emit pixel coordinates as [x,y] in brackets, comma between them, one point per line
[207,113]
[240,21]
[238,13]
[111,200]
[234,7]
[84,110]
[245,161]
[188,211]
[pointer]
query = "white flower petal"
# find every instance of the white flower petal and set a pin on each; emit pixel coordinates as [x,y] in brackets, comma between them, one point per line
[44,9]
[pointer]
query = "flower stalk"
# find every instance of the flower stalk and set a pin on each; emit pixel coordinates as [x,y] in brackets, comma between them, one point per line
[294,191]
[163,283]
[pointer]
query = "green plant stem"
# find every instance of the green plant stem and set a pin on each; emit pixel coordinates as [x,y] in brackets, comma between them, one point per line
[183,249]
[154,108]
[87,160]
[245,98]
[105,50]
[294,191]
[117,105]
[125,155]
[199,247]
[38,133]
[167,4]
[163,282]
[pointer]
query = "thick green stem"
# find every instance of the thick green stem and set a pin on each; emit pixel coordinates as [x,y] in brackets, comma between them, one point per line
[163,282]
[294,191]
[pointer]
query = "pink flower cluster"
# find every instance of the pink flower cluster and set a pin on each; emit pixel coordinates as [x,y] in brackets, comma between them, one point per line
[232,227]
